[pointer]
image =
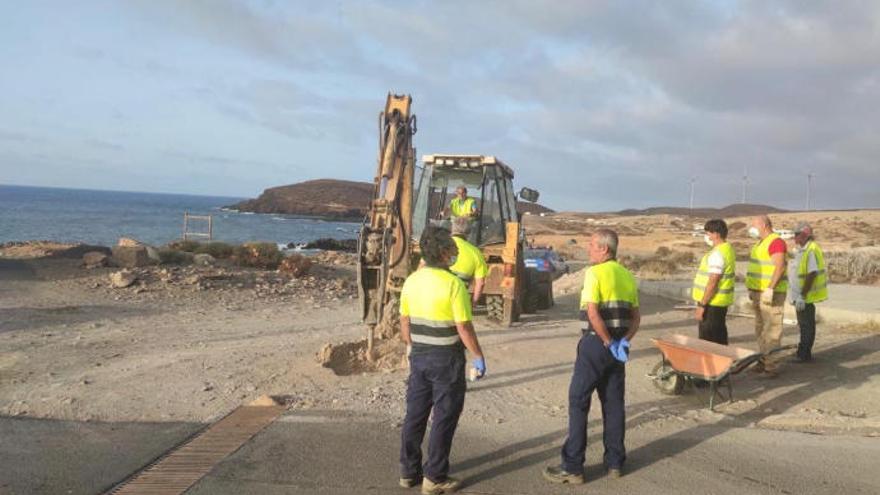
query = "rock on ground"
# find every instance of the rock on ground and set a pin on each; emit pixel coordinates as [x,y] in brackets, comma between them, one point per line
[95,259]
[131,256]
[122,279]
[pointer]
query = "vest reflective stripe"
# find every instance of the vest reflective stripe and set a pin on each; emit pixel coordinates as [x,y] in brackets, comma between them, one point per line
[724,294]
[761,267]
[434,299]
[431,323]
[461,208]
[617,296]
[435,341]
[819,289]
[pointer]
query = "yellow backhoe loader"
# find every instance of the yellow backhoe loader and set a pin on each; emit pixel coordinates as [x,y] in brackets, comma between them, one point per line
[403,205]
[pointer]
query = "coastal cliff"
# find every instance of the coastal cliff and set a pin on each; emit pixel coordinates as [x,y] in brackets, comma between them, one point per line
[328,198]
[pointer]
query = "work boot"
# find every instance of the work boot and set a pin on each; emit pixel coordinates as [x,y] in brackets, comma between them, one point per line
[448,485]
[410,482]
[615,473]
[558,474]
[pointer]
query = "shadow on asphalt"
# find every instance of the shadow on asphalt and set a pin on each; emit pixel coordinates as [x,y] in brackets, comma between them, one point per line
[808,385]
[550,454]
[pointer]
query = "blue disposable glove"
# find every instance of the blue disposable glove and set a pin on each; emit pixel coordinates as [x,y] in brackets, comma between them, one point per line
[620,349]
[480,365]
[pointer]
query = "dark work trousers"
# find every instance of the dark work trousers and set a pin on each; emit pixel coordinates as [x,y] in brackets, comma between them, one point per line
[807,323]
[595,369]
[436,380]
[714,325]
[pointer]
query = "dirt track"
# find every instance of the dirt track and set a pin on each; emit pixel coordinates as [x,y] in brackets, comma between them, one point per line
[71,352]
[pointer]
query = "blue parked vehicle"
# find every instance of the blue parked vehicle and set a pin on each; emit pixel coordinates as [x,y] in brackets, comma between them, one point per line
[546,260]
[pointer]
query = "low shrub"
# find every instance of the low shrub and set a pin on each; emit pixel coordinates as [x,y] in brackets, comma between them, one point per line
[219,250]
[168,256]
[296,265]
[181,245]
[264,255]
[858,268]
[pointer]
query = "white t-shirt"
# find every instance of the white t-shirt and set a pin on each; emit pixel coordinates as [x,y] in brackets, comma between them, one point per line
[794,282]
[716,263]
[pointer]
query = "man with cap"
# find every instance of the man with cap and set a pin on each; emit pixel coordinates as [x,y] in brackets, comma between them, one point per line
[470,265]
[808,284]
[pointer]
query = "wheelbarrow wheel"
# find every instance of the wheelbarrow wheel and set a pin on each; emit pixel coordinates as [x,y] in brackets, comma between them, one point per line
[667,380]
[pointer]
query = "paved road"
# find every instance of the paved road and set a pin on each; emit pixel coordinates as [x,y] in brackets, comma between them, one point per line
[39,456]
[334,453]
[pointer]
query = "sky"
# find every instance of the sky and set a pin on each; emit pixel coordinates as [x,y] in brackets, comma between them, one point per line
[600,105]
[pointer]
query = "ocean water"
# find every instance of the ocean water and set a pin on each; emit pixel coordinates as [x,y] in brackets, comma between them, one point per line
[102,217]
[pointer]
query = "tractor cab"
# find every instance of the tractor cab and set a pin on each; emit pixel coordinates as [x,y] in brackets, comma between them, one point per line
[489,182]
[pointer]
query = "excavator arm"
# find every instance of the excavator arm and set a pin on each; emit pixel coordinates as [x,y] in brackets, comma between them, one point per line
[384,244]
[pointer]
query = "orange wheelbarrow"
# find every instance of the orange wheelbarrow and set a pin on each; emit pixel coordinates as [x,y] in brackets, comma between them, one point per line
[688,359]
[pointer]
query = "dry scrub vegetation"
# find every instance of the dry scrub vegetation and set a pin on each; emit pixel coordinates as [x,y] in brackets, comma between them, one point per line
[854,267]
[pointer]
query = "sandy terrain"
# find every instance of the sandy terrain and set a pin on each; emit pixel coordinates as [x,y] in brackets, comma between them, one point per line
[842,234]
[73,348]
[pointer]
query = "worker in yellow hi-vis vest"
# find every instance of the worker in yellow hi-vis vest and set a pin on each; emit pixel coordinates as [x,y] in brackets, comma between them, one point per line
[808,284]
[462,205]
[470,264]
[713,284]
[436,322]
[767,286]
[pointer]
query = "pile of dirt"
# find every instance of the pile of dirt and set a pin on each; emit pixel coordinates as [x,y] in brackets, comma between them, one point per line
[350,358]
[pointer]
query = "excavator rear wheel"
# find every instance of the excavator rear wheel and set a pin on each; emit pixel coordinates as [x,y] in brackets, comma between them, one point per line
[495,307]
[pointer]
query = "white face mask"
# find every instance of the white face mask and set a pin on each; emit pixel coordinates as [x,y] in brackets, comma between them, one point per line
[708,240]
[754,233]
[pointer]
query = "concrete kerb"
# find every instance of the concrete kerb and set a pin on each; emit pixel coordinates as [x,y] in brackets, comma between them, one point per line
[847,304]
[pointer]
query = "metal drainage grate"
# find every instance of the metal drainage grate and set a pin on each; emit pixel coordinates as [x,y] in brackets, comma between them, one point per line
[175,472]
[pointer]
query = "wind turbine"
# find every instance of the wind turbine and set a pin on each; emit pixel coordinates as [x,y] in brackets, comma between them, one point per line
[693,181]
[810,176]
[745,182]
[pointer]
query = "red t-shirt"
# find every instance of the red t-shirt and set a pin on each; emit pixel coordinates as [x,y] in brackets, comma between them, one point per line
[777,246]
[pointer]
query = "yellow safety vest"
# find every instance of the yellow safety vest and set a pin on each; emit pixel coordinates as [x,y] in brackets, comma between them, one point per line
[724,295]
[761,267]
[469,263]
[613,288]
[434,300]
[462,208]
[819,289]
